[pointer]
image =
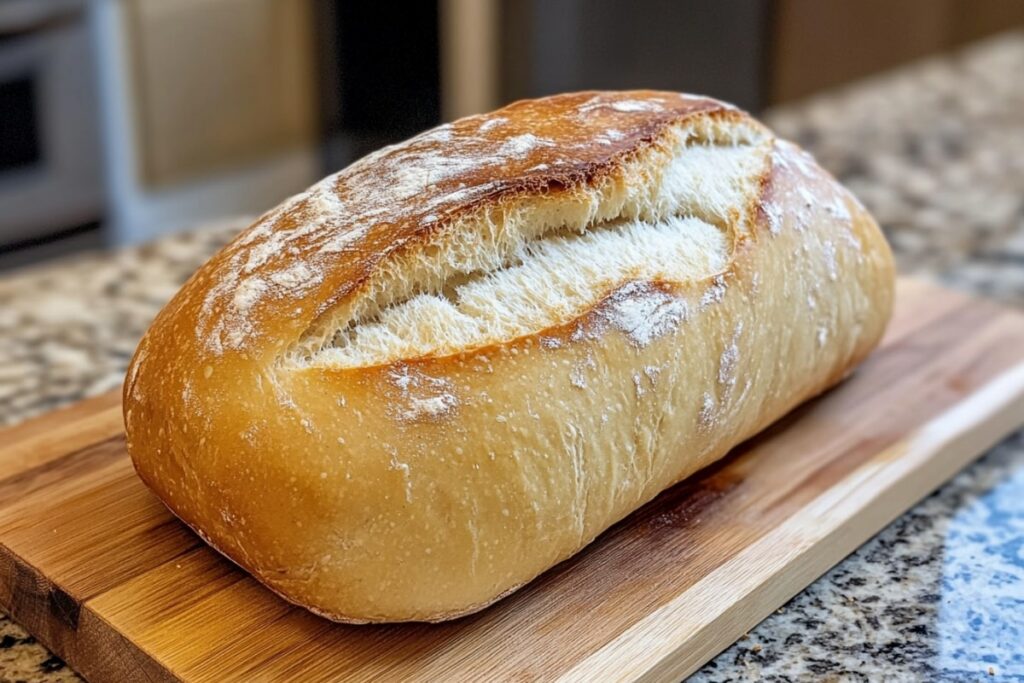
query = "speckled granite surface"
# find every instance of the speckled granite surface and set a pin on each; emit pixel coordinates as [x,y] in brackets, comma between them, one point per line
[936,150]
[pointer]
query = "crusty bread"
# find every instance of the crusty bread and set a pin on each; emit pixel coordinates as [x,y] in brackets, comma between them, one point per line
[437,373]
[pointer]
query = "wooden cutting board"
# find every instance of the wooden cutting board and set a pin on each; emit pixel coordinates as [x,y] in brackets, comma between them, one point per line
[99,571]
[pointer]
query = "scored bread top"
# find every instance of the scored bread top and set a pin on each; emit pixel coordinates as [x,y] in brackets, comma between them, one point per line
[297,275]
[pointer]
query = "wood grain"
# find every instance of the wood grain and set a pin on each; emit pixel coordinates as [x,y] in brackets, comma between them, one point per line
[98,569]
[37,441]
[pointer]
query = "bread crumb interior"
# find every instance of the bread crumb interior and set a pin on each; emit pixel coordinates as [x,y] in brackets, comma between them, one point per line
[515,270]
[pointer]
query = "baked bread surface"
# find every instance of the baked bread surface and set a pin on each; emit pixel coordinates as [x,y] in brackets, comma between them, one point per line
[437,373]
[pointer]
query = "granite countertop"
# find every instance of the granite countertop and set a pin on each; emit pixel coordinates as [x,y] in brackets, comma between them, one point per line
[936,151]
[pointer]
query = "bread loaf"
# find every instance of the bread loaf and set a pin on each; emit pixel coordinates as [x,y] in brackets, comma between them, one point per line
[413,388]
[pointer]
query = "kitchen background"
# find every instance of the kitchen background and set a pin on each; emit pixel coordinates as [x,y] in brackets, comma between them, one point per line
[121,120]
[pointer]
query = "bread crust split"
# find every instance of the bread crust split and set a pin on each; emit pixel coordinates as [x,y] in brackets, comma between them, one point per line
[410,390]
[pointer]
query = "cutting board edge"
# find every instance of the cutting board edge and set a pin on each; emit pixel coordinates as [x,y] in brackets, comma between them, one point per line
[987,427]
[28,596]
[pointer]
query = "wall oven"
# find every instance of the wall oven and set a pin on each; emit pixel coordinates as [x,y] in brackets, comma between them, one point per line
[50,168]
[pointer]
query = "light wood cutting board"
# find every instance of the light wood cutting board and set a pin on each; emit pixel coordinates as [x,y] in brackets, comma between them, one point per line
[99,571]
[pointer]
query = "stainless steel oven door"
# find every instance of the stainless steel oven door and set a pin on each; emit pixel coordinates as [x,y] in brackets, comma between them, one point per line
[50,170]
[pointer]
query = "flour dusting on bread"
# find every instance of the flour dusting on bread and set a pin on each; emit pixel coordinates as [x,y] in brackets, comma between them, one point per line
[547,267]
[420,397]
[644,312]
[439,176]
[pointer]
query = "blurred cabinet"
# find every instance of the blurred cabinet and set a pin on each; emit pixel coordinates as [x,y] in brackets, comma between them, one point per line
[219,83]
[816,44]
[716,47]
[973,19]
[209,109]
[751,52]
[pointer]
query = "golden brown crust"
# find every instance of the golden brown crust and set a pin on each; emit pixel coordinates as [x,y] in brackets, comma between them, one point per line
[426,488]
[372,209]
